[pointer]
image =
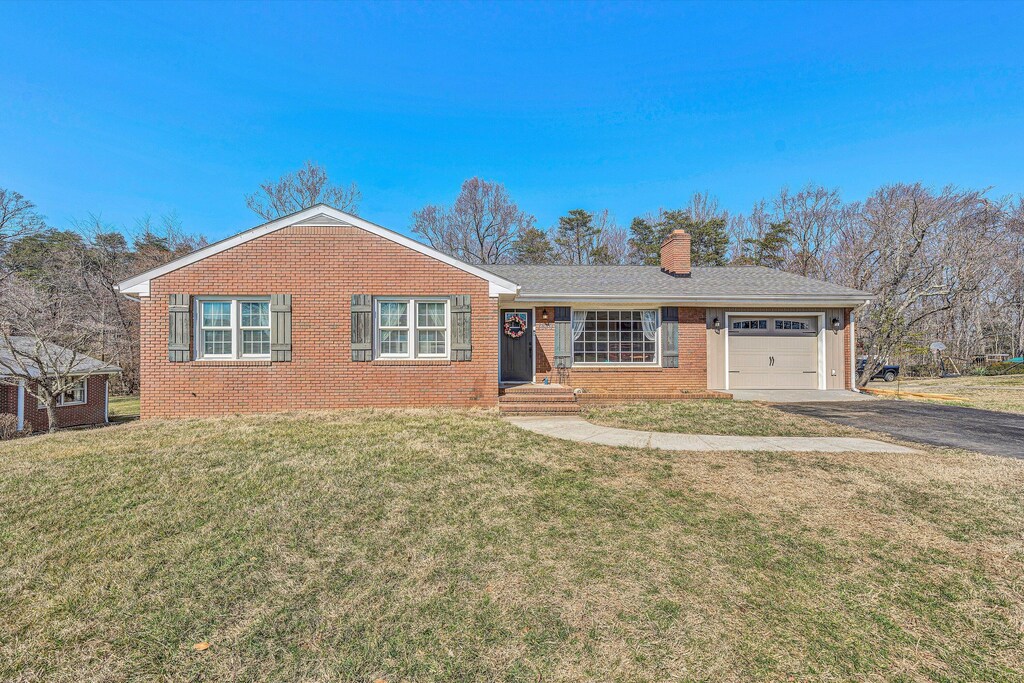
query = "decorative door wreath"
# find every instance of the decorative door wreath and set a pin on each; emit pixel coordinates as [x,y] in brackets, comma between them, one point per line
[515,326]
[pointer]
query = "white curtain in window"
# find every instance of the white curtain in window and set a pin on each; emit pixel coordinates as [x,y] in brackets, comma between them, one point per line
[650,323]
[579,318]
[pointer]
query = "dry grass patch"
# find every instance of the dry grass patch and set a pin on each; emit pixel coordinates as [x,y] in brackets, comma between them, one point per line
[715,416]
[1004,393]
[416,545]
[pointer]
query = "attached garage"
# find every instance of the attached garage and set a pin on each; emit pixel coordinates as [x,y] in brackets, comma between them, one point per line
[774,351]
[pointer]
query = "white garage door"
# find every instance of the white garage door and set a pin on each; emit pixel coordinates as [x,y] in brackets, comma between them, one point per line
[773,352]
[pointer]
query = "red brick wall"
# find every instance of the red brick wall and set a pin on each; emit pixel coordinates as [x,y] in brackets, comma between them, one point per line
[321,268]
[691,375]
[675,253]
[8,399]
[92,412]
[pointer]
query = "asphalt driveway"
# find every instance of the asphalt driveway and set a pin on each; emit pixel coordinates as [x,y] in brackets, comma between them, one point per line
[983,431]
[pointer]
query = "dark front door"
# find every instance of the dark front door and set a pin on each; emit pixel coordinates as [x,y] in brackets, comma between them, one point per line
[516,351]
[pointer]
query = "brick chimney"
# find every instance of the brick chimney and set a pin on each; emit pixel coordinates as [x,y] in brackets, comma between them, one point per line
[675,254]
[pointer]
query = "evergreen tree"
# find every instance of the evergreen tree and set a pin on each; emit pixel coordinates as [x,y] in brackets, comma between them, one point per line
[709,241]
[532,247]
[770,248]
[577,237]
[39,256]
[645,241]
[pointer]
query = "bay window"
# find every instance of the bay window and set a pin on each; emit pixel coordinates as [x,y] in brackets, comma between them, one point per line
[233,329]
[617,336]
[412,328]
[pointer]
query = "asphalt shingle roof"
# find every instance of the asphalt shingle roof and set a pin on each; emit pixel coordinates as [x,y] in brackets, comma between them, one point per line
[704,284]
[64,358]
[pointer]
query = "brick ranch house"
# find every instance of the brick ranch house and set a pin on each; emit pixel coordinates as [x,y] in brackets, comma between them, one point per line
[323,309]
[87,403]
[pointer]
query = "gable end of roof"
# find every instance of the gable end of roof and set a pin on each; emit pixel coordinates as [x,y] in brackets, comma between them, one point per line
[319,215]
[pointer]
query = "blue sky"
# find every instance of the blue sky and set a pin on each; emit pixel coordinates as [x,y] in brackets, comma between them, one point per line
[127,109]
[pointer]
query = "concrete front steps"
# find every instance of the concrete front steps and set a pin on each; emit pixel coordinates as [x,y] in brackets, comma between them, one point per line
[537,399]
[554,399]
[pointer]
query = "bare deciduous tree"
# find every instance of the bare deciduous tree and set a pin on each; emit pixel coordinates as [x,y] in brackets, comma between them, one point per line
[18,217]
[813,214]
[299,190]
[921,253]
[480,227]
[41,334]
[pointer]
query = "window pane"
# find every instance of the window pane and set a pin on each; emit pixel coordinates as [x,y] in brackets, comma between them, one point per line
[256,342]
[216,314]
[430,314]
[255,314]
[430,342]
[216,342]
[394,342]
[394,314]
[75,394]
[616,337]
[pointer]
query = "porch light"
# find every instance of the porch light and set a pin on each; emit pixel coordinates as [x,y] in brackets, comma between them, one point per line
[544,314]
[835,324]
[717,323]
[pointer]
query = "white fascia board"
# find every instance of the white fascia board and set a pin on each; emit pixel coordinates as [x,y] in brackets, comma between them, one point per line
[141,289]
[140,282]
[561,299]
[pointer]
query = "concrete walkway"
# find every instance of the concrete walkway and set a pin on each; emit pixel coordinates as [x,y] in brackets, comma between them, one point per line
[577,429]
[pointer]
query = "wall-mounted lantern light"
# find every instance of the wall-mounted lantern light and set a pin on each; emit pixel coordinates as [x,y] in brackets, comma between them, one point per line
[717,324]
[544,315]
[835,324]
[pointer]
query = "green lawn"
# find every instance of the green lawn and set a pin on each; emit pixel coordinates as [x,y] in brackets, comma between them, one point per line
[422,546]
[123,408]
[1004,393]
[742,418]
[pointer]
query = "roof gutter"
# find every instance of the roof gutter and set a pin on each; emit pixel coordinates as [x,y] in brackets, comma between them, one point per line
[858,301]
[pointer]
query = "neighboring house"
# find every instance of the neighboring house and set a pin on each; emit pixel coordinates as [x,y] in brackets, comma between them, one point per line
[322,309]
[85,404]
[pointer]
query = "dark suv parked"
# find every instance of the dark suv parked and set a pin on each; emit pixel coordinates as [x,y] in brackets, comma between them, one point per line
[886,372]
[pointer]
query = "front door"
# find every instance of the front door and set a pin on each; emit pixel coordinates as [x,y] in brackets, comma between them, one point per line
[516,345]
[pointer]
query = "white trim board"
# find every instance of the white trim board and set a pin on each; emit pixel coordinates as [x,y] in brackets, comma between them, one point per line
[21,405]
[704,301]
[321,214]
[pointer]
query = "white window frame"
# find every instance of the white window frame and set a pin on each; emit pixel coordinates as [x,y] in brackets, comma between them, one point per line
[61,403]
[236,328]
[598,364]
[412,319]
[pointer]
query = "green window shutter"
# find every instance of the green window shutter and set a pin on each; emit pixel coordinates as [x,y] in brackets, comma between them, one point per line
[362,327]
[179,337]
[280,328]
[670,337]
[462,339]
[563,337]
